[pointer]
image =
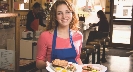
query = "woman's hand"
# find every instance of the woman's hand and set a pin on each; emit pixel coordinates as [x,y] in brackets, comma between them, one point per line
[90,24]
[79,62]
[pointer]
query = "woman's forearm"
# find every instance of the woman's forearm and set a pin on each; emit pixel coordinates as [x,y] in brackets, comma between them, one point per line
[79,62]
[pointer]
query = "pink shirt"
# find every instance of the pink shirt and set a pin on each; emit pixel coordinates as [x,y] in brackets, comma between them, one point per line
[44,44]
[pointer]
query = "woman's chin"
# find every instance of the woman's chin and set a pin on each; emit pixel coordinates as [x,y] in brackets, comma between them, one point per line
[64,24]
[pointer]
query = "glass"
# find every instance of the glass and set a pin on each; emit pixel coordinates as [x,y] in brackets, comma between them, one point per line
[122,9]
[121,34]
[122,22]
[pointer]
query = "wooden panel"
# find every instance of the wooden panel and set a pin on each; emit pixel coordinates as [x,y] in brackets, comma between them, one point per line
[17,43]
[107,7]
[122,23]
[42,3]
[131,40]
[11,44]
[111,20]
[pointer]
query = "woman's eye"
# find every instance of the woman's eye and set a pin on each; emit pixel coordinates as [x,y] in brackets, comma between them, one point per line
[58,13]
[68,12]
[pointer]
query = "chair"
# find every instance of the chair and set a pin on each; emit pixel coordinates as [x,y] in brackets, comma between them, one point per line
[105,43]
[85,52]
[97,49]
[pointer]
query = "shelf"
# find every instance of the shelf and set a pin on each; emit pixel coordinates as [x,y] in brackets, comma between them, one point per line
[8,15]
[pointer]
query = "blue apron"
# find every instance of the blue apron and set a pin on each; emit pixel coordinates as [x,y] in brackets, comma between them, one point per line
[68,54]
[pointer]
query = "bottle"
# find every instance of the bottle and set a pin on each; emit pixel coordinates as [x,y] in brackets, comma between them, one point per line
[22,20]
[78,15]
[1,25]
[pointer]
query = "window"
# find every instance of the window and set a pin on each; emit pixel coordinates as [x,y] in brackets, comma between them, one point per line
[122,8]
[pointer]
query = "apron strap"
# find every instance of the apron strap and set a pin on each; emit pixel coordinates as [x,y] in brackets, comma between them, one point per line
[53,44]
[71,40]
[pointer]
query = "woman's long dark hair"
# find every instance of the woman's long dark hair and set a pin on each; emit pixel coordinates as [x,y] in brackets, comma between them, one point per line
[101,14]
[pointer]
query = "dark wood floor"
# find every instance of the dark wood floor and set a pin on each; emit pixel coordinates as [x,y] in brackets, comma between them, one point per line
[118,64]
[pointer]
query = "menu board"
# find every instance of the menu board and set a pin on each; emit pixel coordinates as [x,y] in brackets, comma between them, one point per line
[7,59]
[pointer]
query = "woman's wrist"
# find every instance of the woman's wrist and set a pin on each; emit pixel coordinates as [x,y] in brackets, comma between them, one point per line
[79,61]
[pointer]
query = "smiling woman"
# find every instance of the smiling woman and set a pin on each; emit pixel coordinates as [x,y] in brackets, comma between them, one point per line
[54,10]
[62,39]
[64,15]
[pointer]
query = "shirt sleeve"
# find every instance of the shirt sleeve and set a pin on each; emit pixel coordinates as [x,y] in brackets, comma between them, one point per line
[41,47]
[95,24]
[78,56]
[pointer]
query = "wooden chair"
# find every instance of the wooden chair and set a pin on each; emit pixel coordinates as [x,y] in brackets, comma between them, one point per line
[86,52]
[97,49]
[105,43]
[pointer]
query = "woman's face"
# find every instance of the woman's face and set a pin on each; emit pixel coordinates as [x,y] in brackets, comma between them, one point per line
[36,10]
[63,15]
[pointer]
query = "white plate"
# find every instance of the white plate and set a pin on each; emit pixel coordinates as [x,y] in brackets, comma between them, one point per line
[101,67]
[50,68]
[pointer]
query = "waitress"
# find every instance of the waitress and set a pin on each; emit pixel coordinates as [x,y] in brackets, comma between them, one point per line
[62,39]
[34,18]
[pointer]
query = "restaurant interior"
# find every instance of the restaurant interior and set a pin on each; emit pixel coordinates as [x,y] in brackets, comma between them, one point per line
[115,52]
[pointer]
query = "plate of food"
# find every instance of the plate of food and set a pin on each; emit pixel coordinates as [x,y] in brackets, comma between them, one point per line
[93,68]
[58,65]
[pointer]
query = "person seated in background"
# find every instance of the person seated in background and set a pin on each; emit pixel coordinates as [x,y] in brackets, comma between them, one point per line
[103,27]
[34,19]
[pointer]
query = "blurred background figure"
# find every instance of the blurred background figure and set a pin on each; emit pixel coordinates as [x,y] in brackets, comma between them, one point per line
[103,27]
[34,18]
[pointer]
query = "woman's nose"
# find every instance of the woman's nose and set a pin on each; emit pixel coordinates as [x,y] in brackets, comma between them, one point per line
[64,15]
